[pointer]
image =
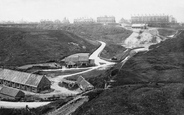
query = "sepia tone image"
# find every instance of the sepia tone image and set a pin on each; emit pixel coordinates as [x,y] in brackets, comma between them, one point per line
[91,57]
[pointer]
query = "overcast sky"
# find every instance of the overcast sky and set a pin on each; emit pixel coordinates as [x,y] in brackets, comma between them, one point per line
[35,10]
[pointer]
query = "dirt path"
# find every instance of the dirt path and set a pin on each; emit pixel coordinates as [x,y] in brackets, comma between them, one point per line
[70,107]
[5,104]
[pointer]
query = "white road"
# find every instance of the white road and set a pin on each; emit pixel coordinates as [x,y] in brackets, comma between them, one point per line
[95,56]
[5,104]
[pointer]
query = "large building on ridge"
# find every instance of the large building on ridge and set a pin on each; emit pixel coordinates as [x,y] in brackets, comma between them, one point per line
[83,21]
[24,81]
[106,19]
[153,19]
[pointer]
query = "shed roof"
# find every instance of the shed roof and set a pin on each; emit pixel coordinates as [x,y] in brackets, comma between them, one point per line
[83,83]
[21,77]
[9,91]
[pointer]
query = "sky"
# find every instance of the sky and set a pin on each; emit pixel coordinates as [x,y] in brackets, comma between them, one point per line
[36,10]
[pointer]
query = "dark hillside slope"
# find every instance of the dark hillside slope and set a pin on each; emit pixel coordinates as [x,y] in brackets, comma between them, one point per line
[163,63]
[137,100]
[149,83]
[107,33]
[23,46]
[112,35]
[166,32]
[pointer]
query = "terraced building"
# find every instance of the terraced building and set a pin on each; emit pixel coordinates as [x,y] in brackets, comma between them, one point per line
[24,81]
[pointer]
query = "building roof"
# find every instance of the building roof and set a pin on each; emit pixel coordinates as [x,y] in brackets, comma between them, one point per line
[83,83]
[9,91]
[78,57]
[21,77]
[71,63]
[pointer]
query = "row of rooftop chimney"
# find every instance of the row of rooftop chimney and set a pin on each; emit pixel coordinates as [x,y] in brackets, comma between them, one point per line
[101,19]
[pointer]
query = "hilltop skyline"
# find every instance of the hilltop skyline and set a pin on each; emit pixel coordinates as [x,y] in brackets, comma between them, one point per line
[36,10]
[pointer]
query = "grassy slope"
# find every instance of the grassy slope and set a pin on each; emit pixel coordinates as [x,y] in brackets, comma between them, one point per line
[164,63]
[137,100]
[112,35]
[149,83]
[23,46]
[166,32]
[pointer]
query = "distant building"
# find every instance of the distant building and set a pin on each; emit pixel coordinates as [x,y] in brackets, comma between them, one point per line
[84,84]
[106,19]
[11,93]
[79,59]
[124,22]
[153,20]
[24,81]
[65,21]
[57,21]
[83,21]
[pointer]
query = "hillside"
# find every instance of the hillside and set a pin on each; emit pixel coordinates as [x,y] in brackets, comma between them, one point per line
[166,32]
[112,35]
[20,46]
[148,84]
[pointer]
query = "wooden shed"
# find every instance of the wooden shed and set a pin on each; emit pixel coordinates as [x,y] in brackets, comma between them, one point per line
[84,84]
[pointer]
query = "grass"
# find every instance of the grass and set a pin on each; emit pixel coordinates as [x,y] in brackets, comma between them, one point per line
[166,32]
[136,100]
[35,111]
[112,35]
[87,75]
[57,73]
[21,46]
[148,84]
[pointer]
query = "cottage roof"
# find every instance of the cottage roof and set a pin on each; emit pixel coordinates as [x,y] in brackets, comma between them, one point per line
[71,63]
[83,83]
[78,57]
[21,77]
[9,91]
